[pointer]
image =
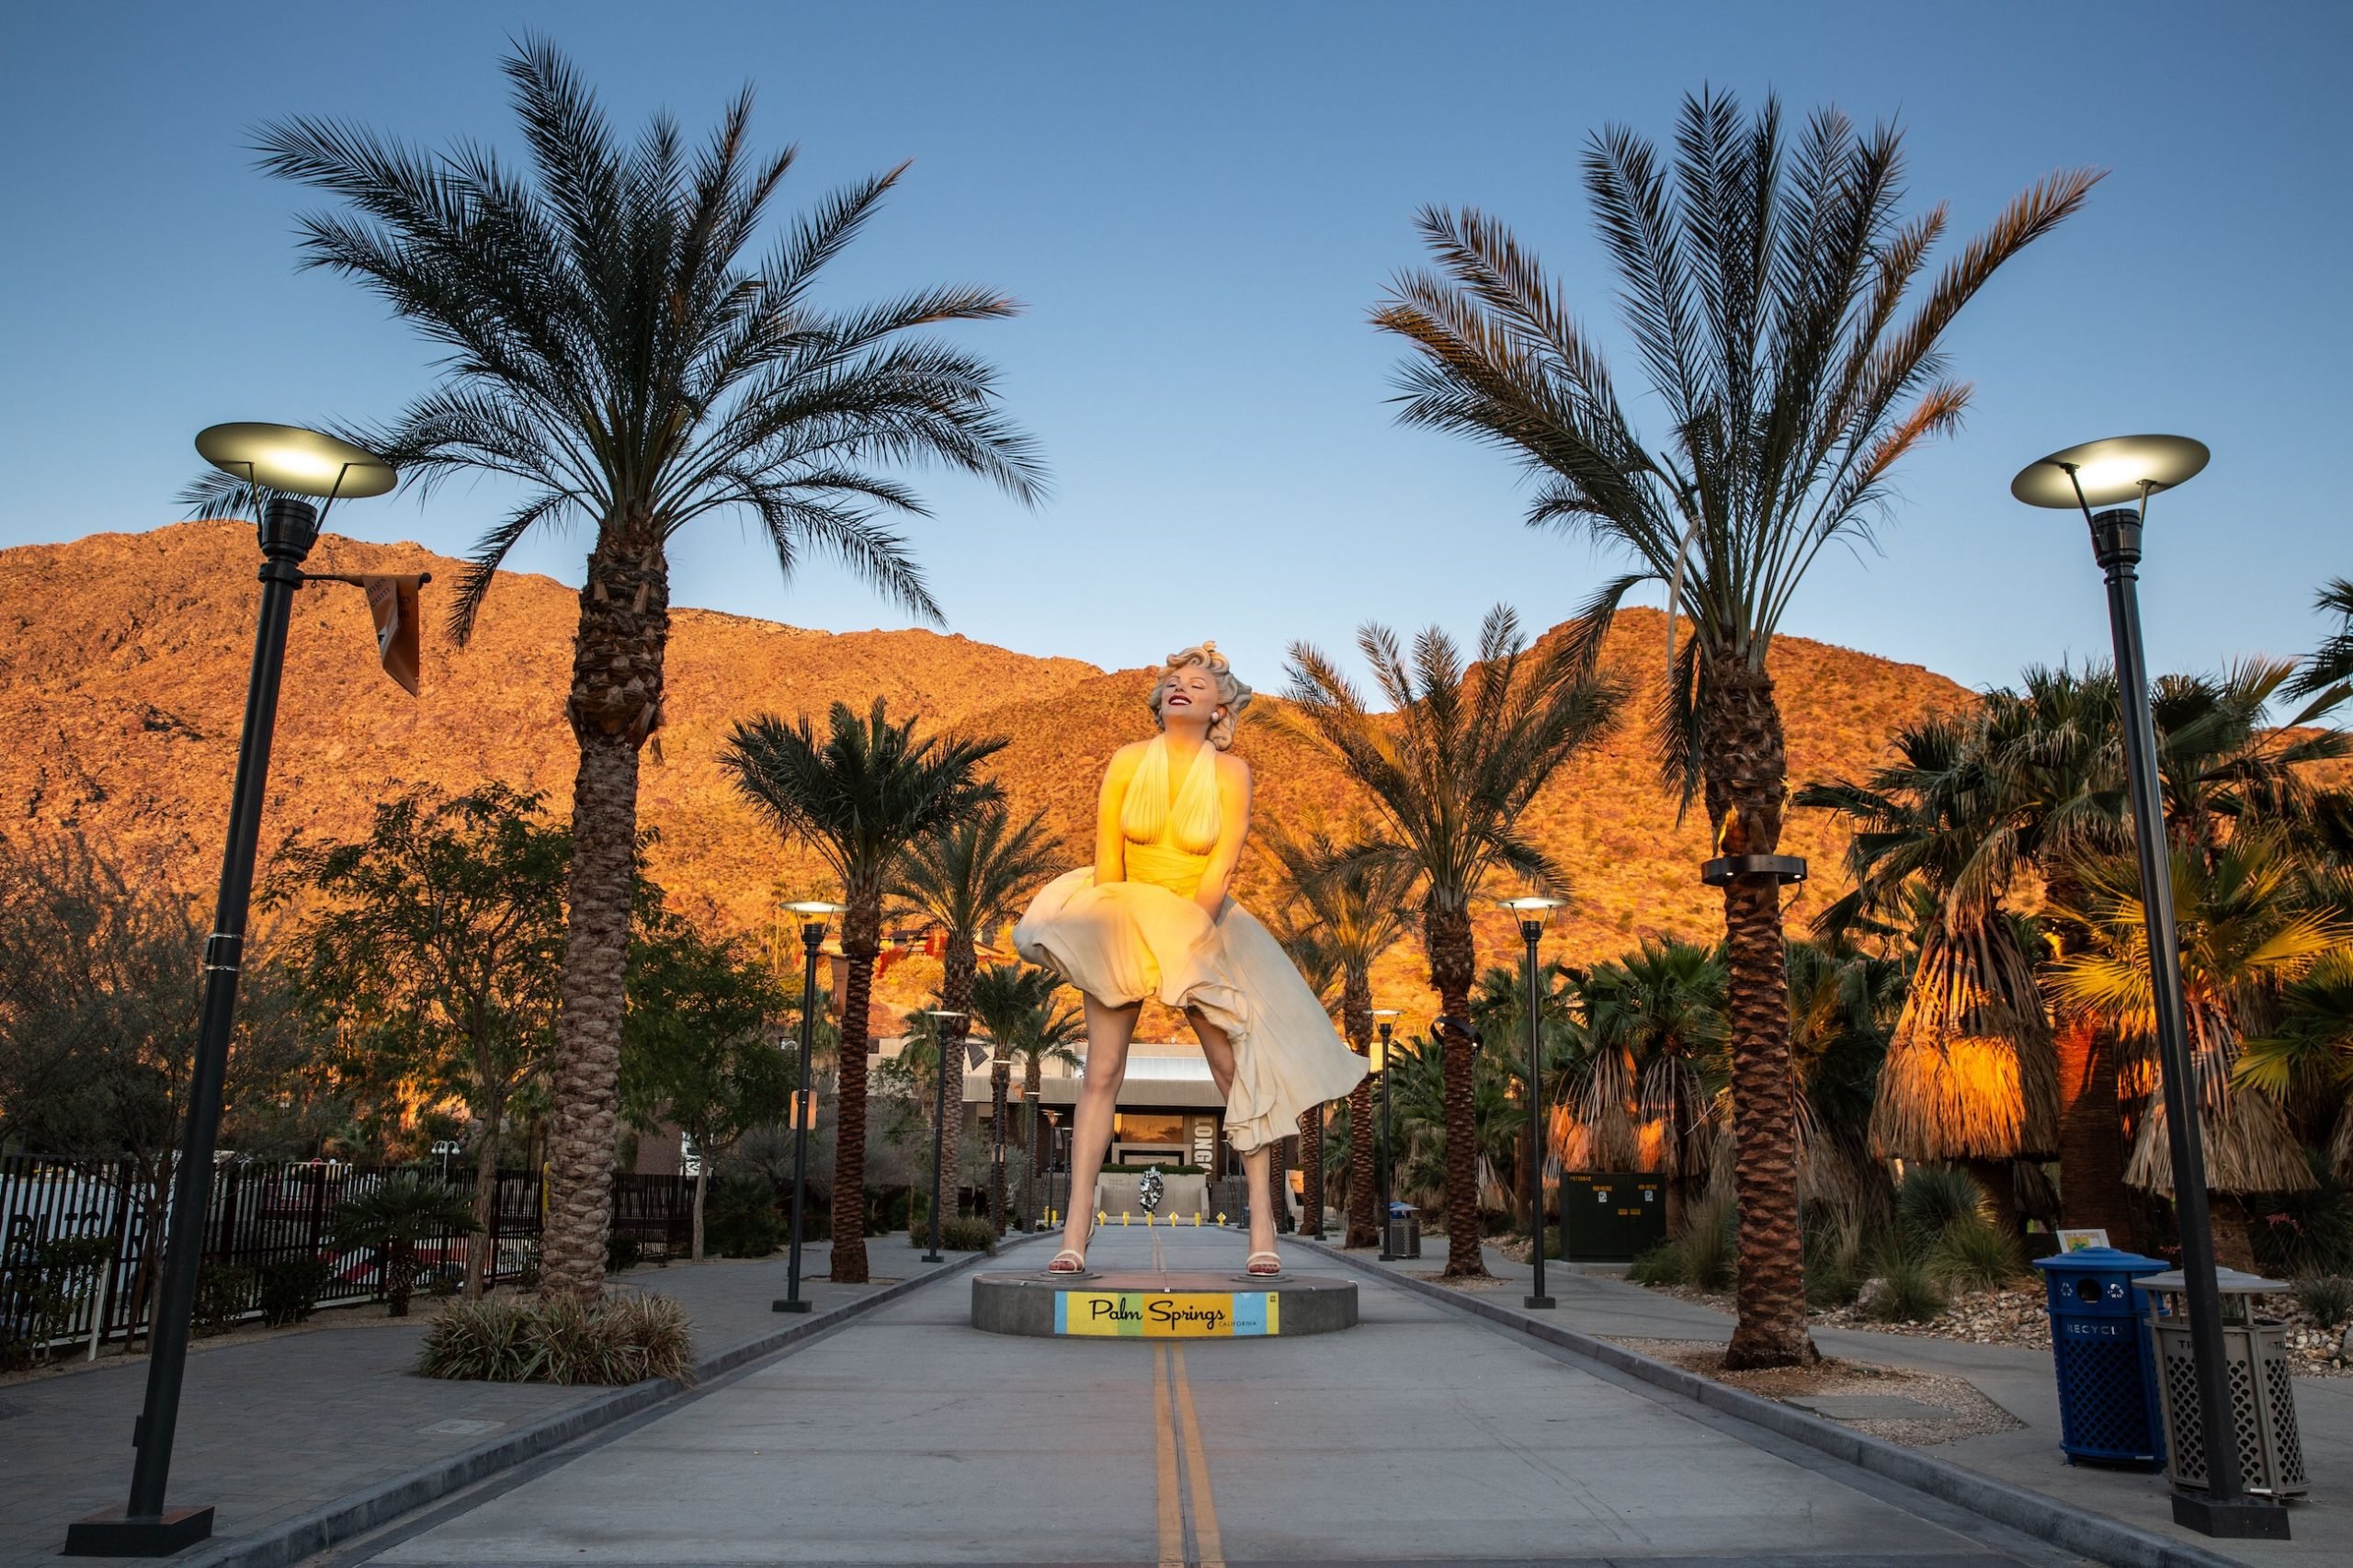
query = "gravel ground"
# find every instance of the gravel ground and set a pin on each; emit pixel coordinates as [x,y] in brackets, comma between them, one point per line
[1963,1412]
[2015,1316]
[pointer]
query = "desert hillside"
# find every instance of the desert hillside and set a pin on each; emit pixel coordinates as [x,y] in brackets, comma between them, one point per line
[122,675]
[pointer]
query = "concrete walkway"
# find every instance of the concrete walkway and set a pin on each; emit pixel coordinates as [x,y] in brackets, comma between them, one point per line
[1419,1436]
[271,1429]
[2019,1379]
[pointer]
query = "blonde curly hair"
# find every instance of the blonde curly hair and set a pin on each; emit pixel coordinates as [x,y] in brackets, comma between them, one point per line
[1232,695]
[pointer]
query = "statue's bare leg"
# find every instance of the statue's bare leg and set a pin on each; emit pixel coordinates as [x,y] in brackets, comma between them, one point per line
[1258,1165]
[1109,1030]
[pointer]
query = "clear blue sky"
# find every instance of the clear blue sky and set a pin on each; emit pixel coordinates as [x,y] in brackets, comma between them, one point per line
[1198,203]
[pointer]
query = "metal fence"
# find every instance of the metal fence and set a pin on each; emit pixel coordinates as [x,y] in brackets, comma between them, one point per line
[80,1240]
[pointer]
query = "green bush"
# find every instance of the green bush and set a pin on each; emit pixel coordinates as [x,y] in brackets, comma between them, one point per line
[291,1287]
[622,1253]
[1835,1274]
[1702,1257]
[740,1218]
[43,1291]
[224,1293]
[2299,1234]
[2327,1297]
[968,1233]
[511,1339]
[1976,1254]
[1932,1201]
[1907,1292]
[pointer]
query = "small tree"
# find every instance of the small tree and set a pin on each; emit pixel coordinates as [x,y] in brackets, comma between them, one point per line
[392,1217]
[698,1046]
[433,945]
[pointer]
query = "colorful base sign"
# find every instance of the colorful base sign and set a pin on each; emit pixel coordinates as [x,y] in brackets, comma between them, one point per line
[1167,1314]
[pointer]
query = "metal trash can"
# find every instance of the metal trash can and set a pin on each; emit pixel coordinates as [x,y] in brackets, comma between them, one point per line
[2099,1352]
[1404,1231]
[2255,1369]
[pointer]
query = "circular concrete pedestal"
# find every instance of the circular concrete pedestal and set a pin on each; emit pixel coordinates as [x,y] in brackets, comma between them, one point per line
[1149,1303]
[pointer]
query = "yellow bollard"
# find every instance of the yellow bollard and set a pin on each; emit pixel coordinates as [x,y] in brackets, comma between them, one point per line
[1147,1219]
[1220,1216]
[1124,1219]
[1101,1217]
[1197,1218]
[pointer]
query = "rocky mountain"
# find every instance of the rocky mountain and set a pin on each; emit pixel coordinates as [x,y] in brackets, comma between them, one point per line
[122,678]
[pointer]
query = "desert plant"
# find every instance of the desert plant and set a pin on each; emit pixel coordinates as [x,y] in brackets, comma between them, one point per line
[612,1340]
[291,1287]
[2326,1298]
[1834,1273]
[391,1218]
[224,1293]
[969,1232]
[1975,1254]
[743,1221]
[1932,1201]
[1701,1255]
[1904,1290]
[622,1253]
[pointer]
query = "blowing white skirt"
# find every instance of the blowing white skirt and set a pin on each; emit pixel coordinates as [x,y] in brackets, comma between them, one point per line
[1131,940]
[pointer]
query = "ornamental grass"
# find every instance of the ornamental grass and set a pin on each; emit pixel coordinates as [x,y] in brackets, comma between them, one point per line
[615,1340]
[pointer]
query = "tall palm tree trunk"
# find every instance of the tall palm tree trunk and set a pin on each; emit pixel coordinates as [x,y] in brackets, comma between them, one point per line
[1000,1075]
[861,945]
[1746,769]
[2091,1133]
[1311,1165]
[1356,1022]
[1453,969]
[616,703]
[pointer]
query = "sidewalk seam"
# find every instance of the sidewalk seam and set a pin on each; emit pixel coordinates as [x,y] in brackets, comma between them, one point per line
[357,1513]
[2094,1535]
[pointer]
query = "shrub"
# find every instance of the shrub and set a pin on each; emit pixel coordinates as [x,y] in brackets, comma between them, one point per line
[1702,1257]
[967,1232]
[224,1293]
[1906,1290]
[622,1253]
[392,1217]
[741,1219]
[2328,1298]
[2297,1235]
[291,1287]
[1835,1274]
[1976,1254]
[1932,1201]
[42,1291]
[513,1339]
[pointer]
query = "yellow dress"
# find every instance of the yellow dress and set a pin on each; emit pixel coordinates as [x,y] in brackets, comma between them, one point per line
[1145,936]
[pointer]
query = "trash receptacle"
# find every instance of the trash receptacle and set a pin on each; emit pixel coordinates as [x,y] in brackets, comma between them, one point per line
[1404,1231]
[2099,1352]
[2256,1370]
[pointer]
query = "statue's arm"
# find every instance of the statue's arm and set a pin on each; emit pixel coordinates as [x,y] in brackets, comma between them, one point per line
[1233,827]
[1110,844]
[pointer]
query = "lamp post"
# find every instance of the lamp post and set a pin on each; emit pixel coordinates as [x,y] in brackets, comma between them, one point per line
[948,1037]
[1053,1154]
[279,465]
[1386,1018]
[2104,473]
[1533,911]
[814,914]
[1029,1163]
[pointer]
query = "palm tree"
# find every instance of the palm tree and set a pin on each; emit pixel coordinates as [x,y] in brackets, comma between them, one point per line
[391,1218]
[2332,663]
[860,795]
[612,349]
[1352,912]
[1969,1076]
[1765,284]
[1662,1007]
[2247,932]
[1020,1008]
[969,879]
[1449,772]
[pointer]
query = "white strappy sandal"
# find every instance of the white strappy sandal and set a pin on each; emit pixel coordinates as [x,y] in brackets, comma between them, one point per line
[1250,1265]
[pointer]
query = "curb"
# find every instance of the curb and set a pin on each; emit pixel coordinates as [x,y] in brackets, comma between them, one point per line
[305,1535]
[2079,1530]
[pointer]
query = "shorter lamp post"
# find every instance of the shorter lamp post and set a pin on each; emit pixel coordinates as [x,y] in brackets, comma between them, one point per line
[948,1040]
[1386,1018]
[1532,912]
[1053,1157]
[1030,1161]
[2104,473]
[279,465]
[814,915]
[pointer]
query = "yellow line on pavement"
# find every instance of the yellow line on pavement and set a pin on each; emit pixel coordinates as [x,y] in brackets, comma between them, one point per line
[1164,1449]
[1197,1467]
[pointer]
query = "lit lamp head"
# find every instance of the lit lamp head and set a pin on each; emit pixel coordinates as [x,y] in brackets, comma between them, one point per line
[2105,474]
[1532,912]
[814,913]
[286,461]
[1384,1020]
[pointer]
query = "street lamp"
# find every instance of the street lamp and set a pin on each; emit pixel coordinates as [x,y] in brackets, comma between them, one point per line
[280,464]
[1386,1018]
[1029,1163]
[947,1030]
[2102,473]
[1532,912]
[814,915]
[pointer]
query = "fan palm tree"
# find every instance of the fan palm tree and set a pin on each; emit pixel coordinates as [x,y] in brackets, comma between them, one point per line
[2332,663]
[1765,283]
[1448,772]
[858,795]
[2246,933]
[613,349]
[1020,1008]
[969,879]
[1352,911]
[391,1218]
[1662,1007]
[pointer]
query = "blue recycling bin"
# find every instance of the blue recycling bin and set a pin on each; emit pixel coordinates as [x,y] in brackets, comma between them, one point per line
[2102,1354]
